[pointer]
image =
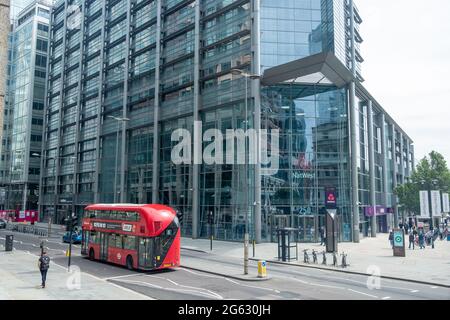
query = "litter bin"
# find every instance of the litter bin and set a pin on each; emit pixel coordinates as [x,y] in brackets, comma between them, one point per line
[9,242]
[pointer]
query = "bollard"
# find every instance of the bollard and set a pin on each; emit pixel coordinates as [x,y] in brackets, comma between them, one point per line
[254,243]
[262,269]
[9,242]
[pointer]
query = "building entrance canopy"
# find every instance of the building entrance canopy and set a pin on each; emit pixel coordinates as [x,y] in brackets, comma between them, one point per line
[323,68]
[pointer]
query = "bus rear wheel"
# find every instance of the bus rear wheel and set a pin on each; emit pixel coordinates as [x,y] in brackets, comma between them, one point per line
[130,263]
[91,254]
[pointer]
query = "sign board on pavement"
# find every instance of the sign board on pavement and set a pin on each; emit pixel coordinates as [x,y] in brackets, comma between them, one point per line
[399,243]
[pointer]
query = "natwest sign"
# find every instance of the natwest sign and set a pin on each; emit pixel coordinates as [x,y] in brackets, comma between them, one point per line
[330,198]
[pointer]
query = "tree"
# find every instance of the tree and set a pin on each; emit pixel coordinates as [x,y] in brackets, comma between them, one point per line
[408,195]
[429,168]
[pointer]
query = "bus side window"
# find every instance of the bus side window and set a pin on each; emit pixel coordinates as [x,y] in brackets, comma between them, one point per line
[129,242]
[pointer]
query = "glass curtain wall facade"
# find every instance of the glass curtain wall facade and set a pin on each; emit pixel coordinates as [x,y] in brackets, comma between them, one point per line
[124,75]
[29,41]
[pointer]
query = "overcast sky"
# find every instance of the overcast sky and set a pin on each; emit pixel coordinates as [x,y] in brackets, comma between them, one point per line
[407,67]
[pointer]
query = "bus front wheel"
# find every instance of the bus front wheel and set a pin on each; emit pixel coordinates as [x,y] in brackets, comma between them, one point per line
[91,254]
[130,263]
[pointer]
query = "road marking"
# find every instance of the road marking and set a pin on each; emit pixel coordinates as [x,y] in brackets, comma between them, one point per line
[255,287]
[180,285]
[201,275]
[366,294]
[414,291]
[434,287]
[385,298]
[171,289]
[119,277]
[327,286]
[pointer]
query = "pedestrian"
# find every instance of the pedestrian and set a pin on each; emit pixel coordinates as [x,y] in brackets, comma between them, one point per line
[391,238]
[44,264]
[322,235]
[421,240]
[411,240]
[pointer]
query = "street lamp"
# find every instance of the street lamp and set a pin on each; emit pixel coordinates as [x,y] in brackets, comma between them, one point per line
[117,152]
[246,236]
[55,200]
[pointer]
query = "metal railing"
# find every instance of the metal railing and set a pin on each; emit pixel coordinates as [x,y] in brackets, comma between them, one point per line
[29,229]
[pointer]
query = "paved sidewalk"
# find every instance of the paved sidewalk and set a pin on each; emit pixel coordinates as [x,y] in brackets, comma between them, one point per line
[20,280]
[429,265]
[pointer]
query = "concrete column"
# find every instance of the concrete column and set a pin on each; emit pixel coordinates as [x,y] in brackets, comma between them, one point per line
[155,159]
[196,115]
[394,179]
[4,31]
[354,163]
[402,170]
[99,110]
[353,143]
[123,145]
[373,219]
[385,166]
[256,93]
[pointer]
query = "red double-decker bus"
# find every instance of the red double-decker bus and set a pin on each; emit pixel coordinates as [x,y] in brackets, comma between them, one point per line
[145,237]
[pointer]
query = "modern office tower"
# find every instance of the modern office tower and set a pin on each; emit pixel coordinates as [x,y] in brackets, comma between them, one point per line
[125,76]
[4,82]
[6,116]
[24,116]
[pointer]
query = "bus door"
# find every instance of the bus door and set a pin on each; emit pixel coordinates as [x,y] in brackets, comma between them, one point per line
[157,259]
[85,241]
[103,246]
[145,252]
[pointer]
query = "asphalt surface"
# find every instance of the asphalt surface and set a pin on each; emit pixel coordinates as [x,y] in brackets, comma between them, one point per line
[286,283]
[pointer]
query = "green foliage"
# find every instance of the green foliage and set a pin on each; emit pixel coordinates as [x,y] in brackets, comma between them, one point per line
[428,169]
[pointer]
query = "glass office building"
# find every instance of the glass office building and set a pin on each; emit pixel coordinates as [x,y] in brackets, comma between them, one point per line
[124,75]
[23,116]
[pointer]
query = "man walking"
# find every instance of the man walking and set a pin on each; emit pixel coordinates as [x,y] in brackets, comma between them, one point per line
[44,264]
[412,238]
[322,236]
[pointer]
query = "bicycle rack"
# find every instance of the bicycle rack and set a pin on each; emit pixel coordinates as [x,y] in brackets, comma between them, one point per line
[305,256]
[335,259]
[314,254]
[344,260]
[324,258]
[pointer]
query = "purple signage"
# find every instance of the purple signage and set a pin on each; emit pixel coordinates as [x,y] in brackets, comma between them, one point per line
[379,211]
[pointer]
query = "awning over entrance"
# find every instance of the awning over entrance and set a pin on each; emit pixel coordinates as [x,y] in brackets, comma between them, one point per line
[322,68]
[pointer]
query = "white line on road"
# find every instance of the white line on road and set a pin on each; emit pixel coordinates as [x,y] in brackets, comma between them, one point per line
[434,287]
[385,298]
[244,285]
[366,294]
[180,285]
[172,289]
[201,275]
[326,286]
[414,291]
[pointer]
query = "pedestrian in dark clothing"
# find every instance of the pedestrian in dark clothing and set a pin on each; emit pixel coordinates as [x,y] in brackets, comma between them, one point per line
[411,240]
[421,240]
[391,238]
[322,236]
[44,264]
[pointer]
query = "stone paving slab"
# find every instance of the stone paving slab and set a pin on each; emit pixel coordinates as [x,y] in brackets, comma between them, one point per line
[372,254]
[20,280]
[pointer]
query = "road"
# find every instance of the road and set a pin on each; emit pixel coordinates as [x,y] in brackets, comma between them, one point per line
[286,283]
